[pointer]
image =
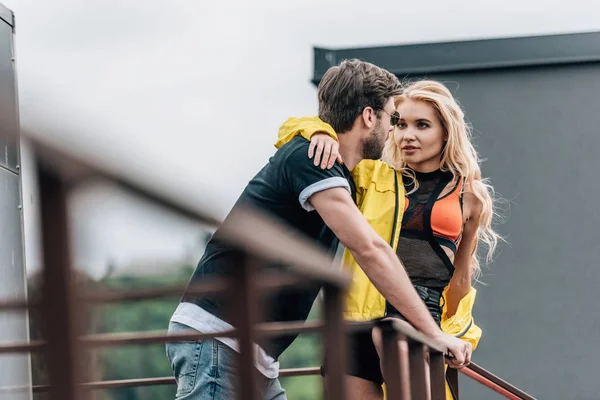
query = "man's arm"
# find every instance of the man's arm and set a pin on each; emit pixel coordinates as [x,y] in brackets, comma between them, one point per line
[374,255]
[382,267]
[327,191]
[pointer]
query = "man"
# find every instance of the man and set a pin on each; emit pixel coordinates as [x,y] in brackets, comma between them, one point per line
[355,98]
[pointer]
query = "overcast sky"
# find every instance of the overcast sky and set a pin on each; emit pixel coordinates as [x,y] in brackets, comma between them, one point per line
[189,94]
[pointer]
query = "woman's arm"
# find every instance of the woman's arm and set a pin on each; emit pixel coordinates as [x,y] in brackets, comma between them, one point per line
[460,284]
[324,146]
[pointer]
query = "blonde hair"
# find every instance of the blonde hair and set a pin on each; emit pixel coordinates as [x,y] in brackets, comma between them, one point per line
[458,157]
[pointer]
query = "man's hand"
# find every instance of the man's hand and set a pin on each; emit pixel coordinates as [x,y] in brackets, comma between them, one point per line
[460,350]
[321,144]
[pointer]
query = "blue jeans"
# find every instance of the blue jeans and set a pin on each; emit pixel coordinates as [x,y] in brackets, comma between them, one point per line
[207,370]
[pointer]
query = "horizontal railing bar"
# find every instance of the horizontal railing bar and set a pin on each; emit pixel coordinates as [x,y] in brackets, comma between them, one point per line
[489,384]
[114,384]
[21,347]
[269,329]
[274,280]
[122,383]
[14,305]
[411,334]
[20,389]
[165,380]
[274,329]
[498,381]
[207,286]
[300,371]
[148,337]
[273,245]
[156,337]
[266,281]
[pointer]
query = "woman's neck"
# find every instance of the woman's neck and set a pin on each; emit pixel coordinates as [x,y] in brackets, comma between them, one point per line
[424,168]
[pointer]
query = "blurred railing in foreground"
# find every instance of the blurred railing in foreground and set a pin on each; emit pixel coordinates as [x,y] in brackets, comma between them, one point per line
[258,240]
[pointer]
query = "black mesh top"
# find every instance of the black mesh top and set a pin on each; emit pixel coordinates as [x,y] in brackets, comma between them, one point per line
[424,259]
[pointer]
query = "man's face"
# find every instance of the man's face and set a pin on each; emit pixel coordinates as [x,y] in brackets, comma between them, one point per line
[373,144]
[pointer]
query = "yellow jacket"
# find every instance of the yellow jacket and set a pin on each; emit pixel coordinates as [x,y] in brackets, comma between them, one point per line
[380,197]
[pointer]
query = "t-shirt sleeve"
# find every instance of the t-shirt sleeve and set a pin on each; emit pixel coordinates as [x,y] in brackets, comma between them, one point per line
[305,179]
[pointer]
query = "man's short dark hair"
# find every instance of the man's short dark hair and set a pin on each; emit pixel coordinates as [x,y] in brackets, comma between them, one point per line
[346,89]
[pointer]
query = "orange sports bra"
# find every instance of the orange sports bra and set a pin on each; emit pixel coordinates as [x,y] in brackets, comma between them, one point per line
[446,216]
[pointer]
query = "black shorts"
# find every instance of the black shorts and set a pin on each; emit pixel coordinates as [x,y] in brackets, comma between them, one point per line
[362,356]
[363,359]
[430,296]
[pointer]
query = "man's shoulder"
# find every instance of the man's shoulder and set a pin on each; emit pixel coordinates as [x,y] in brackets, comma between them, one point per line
[294,146]
[294,154]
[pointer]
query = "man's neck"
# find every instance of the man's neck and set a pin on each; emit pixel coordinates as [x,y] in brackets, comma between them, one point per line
[351,151]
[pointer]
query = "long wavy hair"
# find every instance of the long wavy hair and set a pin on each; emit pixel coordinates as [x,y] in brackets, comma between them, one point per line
[458,157]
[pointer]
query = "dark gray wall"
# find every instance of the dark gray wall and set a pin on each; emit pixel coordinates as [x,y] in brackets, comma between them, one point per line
[539,129]
[533,102]
[14,368]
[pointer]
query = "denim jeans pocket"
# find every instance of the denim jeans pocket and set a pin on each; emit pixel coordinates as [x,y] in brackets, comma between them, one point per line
[184,358]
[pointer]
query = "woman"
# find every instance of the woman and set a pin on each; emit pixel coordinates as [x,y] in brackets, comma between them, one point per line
[445,209]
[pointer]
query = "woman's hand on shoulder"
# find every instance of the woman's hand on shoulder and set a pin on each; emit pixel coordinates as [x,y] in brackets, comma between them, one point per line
[324,151]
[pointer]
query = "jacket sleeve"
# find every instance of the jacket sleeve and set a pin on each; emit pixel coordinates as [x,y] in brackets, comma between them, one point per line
[305,127]
[462,324]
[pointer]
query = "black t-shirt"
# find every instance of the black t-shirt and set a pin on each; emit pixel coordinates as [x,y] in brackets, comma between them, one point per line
[282,188]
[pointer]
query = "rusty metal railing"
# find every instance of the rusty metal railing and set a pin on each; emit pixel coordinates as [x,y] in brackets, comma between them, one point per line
[61,297]
[63,303]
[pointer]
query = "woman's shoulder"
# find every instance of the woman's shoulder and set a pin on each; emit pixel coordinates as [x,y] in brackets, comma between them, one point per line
[473,194]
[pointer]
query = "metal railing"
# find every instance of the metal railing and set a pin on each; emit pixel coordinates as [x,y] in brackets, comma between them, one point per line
[63,302]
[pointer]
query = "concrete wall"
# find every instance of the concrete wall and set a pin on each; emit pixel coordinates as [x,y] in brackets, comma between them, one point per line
[14,368]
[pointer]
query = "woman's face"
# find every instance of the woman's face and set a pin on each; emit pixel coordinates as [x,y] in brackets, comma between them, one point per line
[419,135]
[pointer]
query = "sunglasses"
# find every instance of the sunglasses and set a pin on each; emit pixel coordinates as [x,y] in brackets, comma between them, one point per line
[394,117]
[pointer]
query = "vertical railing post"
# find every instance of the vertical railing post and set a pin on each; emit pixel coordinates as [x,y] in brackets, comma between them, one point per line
[245,315]
[437,376]
[334,343]
[452,375]
[418,371]
[60,313]
[395,362]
